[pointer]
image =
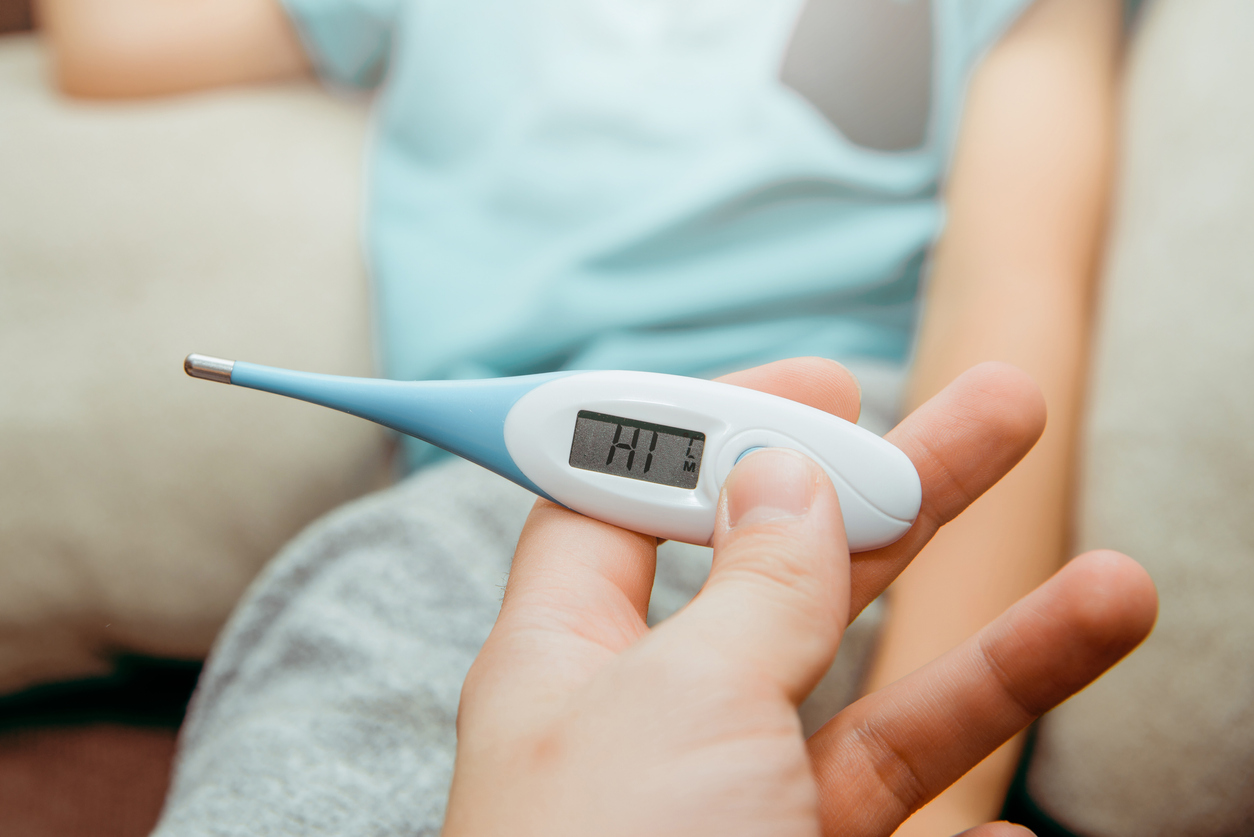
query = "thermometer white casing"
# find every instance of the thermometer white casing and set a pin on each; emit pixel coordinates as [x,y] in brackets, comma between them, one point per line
[877,484]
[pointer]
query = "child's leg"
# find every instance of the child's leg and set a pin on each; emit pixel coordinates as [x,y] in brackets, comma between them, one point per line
[328,704]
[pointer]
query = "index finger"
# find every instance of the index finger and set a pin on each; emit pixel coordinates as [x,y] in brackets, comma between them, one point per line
[962,441]
[815,381]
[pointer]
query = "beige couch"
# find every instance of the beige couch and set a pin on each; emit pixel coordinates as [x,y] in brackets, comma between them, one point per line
[136,503]
[1164,744]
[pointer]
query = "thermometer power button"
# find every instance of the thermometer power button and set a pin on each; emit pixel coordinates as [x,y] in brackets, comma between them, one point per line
[746,452]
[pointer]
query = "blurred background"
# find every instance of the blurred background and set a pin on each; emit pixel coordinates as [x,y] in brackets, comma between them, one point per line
[135,507]
[16,17]
[114,579]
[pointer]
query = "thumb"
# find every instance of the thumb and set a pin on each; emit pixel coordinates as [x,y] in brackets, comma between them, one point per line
[997,829]
[777,599]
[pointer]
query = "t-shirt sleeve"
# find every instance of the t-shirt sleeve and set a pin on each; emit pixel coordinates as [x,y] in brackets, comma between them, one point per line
[348,41]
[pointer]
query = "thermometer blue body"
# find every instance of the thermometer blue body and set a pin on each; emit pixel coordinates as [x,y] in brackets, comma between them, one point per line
[644,451]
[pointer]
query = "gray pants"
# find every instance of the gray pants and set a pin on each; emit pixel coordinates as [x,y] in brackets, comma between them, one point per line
[328,704]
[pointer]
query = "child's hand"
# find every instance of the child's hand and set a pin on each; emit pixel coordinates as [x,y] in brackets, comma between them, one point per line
[578,719]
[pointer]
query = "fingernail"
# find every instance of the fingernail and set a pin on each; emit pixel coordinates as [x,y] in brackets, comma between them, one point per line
[770,484]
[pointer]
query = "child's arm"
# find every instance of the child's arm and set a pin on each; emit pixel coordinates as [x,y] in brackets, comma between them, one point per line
[1012,281]
[150,47]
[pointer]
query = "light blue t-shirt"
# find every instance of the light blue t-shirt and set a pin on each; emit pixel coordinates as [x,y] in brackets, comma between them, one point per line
[628,184]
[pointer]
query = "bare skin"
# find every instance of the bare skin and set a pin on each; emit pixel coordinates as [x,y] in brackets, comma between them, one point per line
[576,718]
[130,48]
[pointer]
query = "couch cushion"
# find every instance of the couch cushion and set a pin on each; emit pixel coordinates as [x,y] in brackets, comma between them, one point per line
[1164,744]
[136,503]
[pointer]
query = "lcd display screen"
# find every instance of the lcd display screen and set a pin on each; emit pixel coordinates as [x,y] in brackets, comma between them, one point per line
[637,450]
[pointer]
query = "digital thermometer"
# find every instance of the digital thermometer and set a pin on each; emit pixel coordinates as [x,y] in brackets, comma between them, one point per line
[643,451]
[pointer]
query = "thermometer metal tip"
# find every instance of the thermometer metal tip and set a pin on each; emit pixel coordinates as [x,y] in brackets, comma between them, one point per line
[209,368]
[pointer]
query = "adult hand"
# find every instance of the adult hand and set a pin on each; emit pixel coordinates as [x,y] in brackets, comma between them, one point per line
[578,719]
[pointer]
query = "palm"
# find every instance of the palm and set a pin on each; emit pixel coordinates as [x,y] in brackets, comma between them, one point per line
[704,721]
